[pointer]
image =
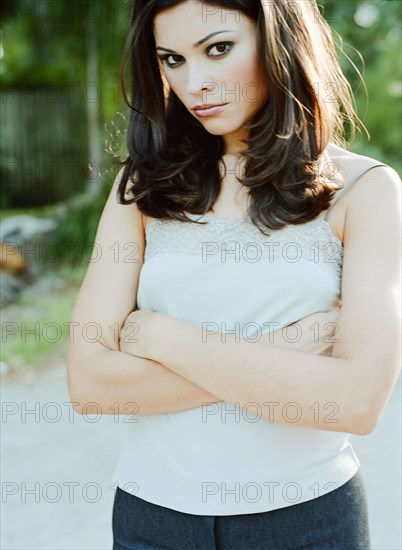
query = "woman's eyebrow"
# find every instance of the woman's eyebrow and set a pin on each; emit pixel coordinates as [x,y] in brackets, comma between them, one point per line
[197,43]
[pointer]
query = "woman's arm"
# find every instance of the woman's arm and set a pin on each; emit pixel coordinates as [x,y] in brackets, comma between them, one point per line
[119,383]
[360,376]
[97,371]
[123,381]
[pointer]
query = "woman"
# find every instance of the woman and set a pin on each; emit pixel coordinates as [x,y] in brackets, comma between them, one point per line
[243,220]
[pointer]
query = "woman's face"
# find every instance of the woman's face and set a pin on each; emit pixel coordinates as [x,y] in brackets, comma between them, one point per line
[223,69]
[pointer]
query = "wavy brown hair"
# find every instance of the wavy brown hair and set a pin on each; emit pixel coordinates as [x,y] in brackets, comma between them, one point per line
[173,163]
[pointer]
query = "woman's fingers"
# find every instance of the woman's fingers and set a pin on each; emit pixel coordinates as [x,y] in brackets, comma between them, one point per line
[315,333]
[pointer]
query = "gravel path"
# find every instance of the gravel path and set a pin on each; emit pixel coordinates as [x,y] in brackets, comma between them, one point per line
[57,467]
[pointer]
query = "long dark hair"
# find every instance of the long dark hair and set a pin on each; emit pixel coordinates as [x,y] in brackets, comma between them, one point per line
[172,167]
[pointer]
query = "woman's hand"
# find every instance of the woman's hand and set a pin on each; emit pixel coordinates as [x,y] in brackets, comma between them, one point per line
[145,332]
[315,333]
[140,332]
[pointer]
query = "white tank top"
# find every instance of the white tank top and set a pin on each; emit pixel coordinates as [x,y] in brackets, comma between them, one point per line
[221,459]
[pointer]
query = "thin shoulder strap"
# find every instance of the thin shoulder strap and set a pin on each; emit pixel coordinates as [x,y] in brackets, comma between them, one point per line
[349,184]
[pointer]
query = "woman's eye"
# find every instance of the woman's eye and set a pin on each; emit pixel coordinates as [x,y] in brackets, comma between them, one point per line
[166,57]
[224,44]
[222,47]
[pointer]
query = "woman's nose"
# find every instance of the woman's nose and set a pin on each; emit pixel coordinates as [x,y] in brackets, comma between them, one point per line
[198,81]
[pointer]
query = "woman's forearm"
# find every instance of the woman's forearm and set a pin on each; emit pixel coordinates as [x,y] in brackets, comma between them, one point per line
[126,384]
[114,382]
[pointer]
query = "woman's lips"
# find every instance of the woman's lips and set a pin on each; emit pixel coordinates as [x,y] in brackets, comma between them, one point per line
[209,111]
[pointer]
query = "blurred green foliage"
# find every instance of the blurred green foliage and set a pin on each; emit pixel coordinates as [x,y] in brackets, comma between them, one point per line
[76,229]
[373,28]
[38,351]
[49,42]
[31,309]
[46,41]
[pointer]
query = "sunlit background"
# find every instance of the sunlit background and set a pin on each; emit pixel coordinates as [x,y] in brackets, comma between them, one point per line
[63,123]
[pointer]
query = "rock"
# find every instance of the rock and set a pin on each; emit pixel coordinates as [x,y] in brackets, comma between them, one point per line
[22,228]
[11,259]
[10,287]
[22,248]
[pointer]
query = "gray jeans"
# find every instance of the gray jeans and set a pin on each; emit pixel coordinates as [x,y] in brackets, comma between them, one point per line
[337,520]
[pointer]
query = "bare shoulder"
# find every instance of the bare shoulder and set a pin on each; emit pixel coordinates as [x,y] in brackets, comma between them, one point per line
[137,216]
[365,182]
[349,163]
[377,193]
[373,201]
[374,176]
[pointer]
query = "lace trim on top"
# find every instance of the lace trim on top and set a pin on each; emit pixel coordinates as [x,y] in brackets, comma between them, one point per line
[313,241]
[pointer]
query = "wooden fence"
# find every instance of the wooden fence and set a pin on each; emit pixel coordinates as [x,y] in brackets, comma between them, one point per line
[43,147]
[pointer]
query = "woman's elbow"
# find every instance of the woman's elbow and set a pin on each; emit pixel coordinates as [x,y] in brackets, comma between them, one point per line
[364,422]
[74,388]
[77,379]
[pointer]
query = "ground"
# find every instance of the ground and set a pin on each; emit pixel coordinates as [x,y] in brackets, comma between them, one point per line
[53,450]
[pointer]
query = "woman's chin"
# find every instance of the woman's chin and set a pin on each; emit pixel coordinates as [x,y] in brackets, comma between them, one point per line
[218,129]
